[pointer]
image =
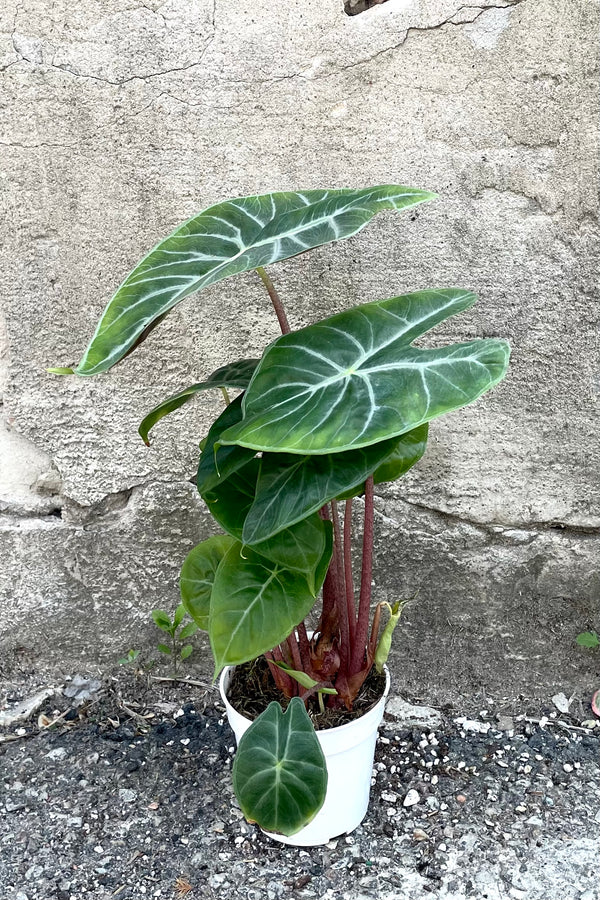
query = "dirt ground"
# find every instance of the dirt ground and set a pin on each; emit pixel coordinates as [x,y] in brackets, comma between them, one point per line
[122,790]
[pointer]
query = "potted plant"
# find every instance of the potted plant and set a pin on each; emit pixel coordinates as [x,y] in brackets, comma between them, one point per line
[325,414]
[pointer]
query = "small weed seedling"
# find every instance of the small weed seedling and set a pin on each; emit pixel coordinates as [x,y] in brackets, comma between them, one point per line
[178,633]
[588,639]
[131,657]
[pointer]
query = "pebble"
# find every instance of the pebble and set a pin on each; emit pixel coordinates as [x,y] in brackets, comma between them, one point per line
[389,797]
[561,702]
[57,753]
[412,798]
[412,716]
[567,767]
[126,795]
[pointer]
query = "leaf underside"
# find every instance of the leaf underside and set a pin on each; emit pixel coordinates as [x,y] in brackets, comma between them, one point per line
[232,375]
[279,771]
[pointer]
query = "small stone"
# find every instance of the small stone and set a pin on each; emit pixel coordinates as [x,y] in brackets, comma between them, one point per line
[57,753]
[460,798]
[389,797]
[411,798]
[535,821]
[126,795]
[420,835]
[411,716]
[568,767]
[506,723]
[520,808]
[561,702]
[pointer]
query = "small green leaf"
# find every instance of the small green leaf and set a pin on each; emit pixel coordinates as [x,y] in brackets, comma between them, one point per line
[215,466]
[588,639]
[279,771]
[61,370]
[164,649]
[162,620]
[186,651]
[385,641]
[198,575]
[179,616]
[303,679]
[187,631]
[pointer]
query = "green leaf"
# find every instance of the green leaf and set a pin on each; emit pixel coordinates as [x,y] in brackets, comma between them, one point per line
[197,577]
[300,548]
[179,616]
[227,239]
[355,379]
[164,649]
[188,631]
[217,465]
[162,620]
[61,370]
[588,639]
[290,486]
[303,679]
[255,604]
[279,771]
[385,641]
[186,651]
[233,375]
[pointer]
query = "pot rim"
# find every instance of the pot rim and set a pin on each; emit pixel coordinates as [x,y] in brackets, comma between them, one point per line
[338,729]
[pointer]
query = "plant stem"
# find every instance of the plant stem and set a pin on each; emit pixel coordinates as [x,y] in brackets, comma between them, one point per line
[304,647]
[364,603]
[295,651]
[275,300]
[348,570]
[340,594]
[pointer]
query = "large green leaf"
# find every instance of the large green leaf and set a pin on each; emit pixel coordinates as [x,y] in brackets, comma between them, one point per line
[198,574]
[354,379]
[226,239]
[279,771]
[301,547]
[233,375]
[255,604]
[291,487]
[217,465]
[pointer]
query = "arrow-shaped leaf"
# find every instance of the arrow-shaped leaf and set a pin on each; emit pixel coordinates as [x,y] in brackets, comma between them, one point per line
[233,375]
[279,771]
[217,465]
[255,604]
[226,239]
[354,379]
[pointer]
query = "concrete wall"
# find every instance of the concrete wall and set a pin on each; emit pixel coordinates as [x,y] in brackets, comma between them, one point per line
[120,119]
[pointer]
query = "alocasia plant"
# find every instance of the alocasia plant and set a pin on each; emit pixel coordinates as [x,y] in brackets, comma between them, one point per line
[327,412]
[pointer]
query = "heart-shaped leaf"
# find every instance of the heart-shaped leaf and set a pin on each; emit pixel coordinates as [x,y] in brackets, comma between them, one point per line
[197,577]
[233,375]
[291,487]
[279,771]
[255,604]
[354,379]
[226,239]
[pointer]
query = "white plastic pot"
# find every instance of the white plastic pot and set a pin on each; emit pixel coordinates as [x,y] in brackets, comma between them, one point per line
[349,751]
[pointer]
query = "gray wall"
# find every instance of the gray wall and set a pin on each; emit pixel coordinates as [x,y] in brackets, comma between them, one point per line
[121,119]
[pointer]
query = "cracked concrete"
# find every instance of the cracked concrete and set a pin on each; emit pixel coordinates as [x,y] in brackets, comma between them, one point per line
[121,119]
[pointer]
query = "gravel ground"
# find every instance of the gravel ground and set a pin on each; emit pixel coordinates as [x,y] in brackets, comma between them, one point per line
[128,796]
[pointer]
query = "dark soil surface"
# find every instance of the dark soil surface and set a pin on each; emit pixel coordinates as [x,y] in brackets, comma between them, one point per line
[252,689]
[128,796]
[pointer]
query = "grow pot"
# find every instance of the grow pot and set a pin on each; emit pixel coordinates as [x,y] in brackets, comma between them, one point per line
[349,750]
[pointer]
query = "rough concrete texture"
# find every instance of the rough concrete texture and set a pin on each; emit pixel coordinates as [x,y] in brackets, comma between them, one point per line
[121,119]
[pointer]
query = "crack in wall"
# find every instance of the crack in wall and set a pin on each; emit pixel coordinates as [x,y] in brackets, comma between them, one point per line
[499,529]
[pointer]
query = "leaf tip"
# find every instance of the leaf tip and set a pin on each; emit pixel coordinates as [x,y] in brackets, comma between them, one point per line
[61,370]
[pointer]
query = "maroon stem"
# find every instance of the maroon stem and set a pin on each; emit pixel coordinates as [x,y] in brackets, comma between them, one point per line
[275,300]
[348,570]
[282,681]
[304,643]
[295,651]
[329,583]
[340,597]
[364,603]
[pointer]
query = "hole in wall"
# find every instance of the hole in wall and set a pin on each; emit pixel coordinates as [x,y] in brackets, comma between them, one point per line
[354,7]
